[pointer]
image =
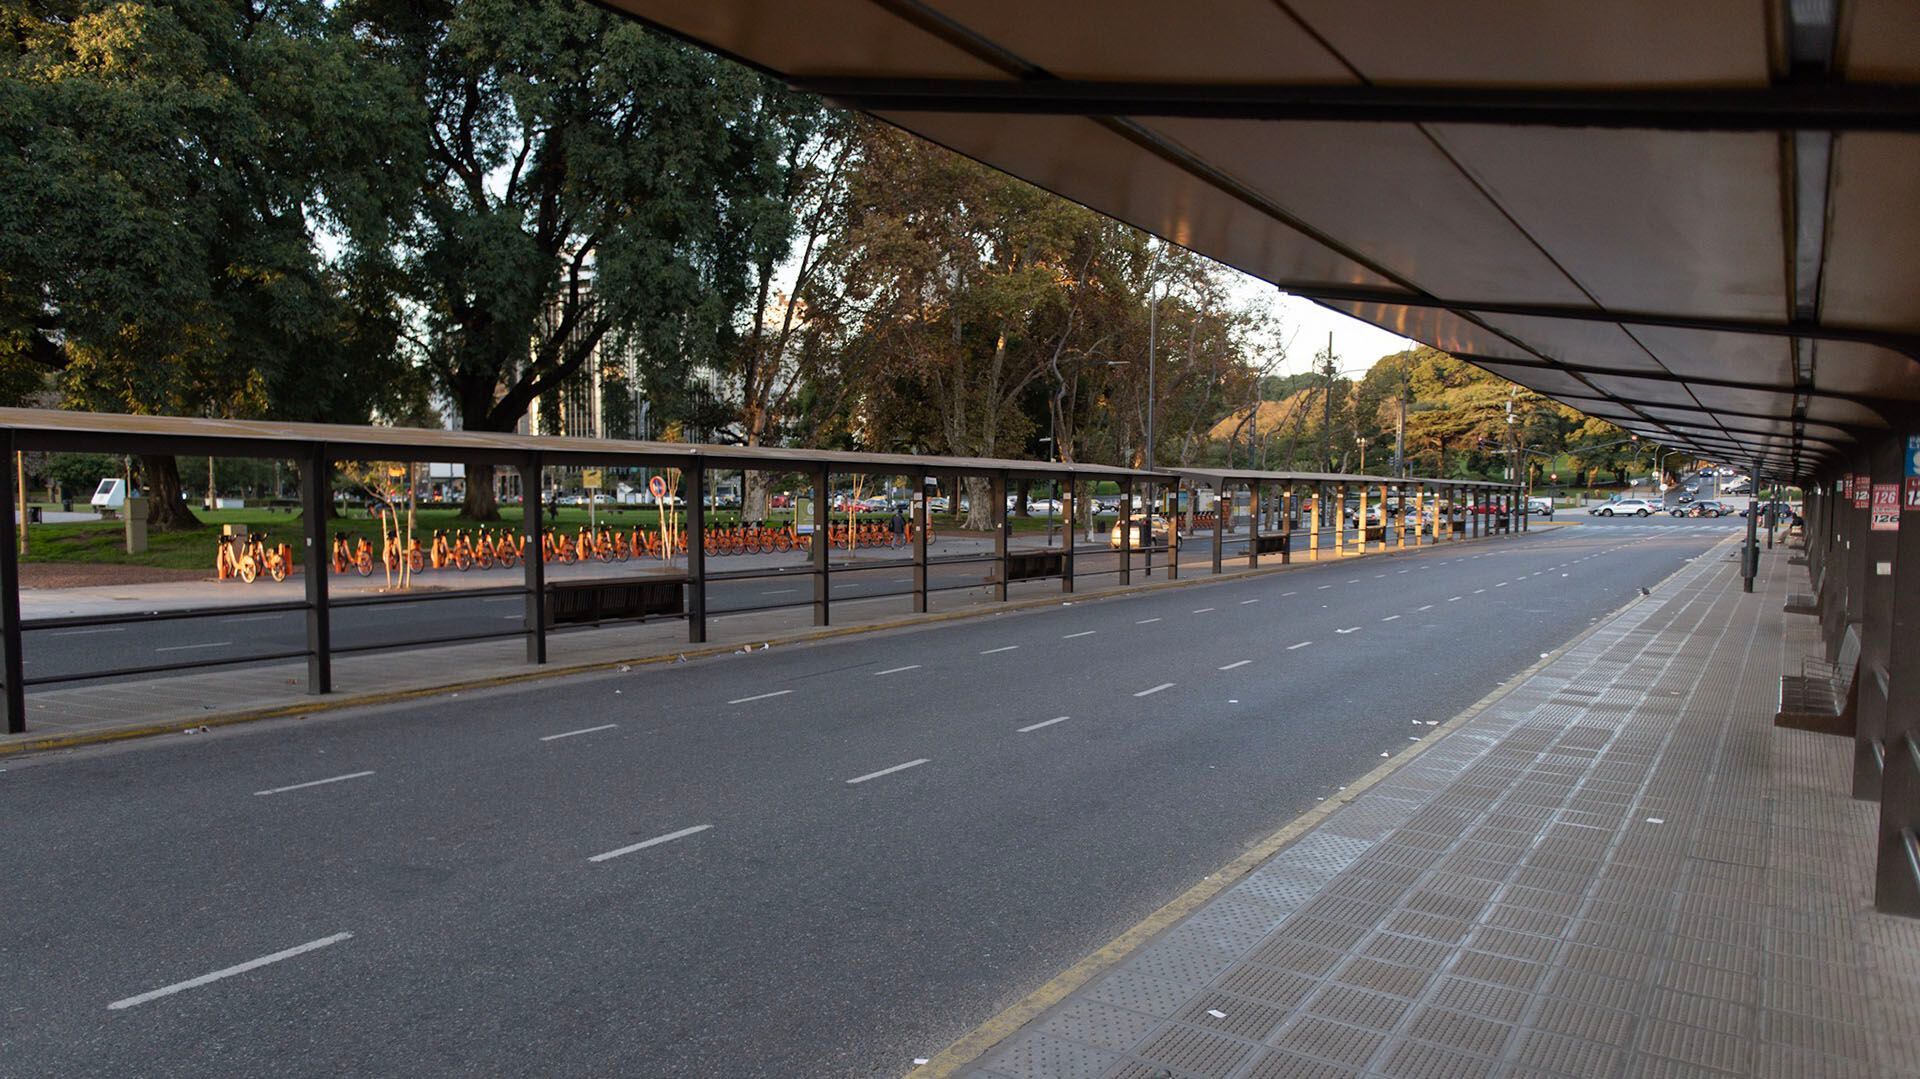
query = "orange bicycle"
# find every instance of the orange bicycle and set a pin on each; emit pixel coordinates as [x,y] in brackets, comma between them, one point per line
[355,554]
[248,562]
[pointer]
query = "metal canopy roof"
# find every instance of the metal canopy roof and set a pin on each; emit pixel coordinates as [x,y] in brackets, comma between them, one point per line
[1216,476]
[46,429]
[1695,220]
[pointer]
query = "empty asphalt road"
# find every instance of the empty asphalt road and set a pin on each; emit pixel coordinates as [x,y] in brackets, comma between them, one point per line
[816,861]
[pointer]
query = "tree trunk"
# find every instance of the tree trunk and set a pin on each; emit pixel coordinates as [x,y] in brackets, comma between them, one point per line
[165,510]
[480,503]
[979,510]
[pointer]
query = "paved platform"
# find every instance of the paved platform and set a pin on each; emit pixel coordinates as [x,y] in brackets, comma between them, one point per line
[1618,868]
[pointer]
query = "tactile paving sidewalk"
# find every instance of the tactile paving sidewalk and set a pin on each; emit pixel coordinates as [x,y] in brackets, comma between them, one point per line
[1621,868]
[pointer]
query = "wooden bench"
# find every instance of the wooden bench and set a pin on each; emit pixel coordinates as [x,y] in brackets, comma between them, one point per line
[1824,696]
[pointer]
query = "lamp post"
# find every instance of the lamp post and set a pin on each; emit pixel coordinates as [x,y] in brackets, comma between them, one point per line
[1362,441]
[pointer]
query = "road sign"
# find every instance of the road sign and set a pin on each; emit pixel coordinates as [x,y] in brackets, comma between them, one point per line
[1886,508]
[1912,478]
[658,485]
[590,478]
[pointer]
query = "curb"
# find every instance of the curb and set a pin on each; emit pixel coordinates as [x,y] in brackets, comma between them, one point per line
[335,703]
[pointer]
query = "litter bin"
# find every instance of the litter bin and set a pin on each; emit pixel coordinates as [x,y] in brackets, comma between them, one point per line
[136,515]
[33,515]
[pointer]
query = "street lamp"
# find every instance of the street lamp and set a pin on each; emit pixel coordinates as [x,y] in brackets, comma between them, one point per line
[1362,440]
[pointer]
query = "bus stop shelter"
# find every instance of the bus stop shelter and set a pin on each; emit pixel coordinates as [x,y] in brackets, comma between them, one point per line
[1695,221]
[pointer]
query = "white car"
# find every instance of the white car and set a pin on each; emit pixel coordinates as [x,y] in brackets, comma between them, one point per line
[1042,507]
[1636,507]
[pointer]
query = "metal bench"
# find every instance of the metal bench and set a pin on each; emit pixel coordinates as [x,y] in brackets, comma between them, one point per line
[1802,603]
[1824,696]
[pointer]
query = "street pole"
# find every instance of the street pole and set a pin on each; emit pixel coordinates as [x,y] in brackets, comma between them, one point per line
[1153,326]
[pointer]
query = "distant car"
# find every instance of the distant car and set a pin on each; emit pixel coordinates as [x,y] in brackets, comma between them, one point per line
[1637,507]
[1704,508]
[1542,507]
[1158,529]
[938,503]
[1044,506]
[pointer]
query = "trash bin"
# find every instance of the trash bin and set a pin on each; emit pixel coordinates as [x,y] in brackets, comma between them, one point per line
[33,515]
[136,515]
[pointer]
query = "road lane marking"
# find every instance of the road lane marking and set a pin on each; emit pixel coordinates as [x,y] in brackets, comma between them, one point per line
[1453,599]
[897,670]
[85,632]
[1390,618]
[761,696]
[1003,648]
[1356,580]
[1144,621]
[583,730]
[1154,690]
[1477,591]
[1231,666]
[888,771]
[1428,607]
[1302,644]
[1502,584]
[1376,577]
[780,591]
[240,968]
[184,647]
[1047,723]
[1082,633]
[1244,602]
[654,842]
[1324,586]
[1284,595]
[1350,629]
[1203,610]
[315,783]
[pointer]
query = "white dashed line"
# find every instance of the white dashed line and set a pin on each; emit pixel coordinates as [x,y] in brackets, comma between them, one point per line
[1390,618]
[241,968]
[654,842]
[1231,666]
[1284,595]
[1244,602]
[1349,629]
[897,670]
[780,591]
[1082,633]
[1144,621]
[1324,587]
[314,783]
[1203,610]
[1002,648]
[888,771]
[1046,723]
[583,730]
[761,696]
[1302,644]
[1428,607]
[1154,690]
[1477,591]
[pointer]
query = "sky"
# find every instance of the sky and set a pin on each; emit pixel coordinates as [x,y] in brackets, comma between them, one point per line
[1304,326]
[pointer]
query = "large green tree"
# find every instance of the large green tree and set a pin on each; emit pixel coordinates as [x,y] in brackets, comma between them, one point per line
[170,173]
[587,182]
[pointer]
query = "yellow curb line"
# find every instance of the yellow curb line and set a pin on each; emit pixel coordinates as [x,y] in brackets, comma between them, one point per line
[332,703]
[983,1038]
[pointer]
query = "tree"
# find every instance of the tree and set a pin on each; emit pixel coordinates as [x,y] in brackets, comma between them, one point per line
[585,179]
[169,167]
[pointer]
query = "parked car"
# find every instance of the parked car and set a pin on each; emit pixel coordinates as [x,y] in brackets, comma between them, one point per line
[1157,527]
[1042,507]
[1637,507]
[1703,508]
[1542,507]
[938,503]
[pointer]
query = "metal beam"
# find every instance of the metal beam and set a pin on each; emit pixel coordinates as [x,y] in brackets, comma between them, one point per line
[1794,107]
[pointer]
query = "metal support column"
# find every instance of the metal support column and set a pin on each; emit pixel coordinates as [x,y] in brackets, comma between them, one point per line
[1069,532]
[1253,525]
[1173,533]
[1896,883]
[1002,523]
[1154,496]
[920,546]
[12,663]
[1221,507]
[697,552]
[1383,517]
[1361,517]
[822,545]
[1420,514]
[533,561]
[1313,522]
[1878,550]
[316,495]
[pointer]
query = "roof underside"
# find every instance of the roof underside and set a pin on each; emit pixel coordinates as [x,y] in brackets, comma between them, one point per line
[1216,477]
[1694,220]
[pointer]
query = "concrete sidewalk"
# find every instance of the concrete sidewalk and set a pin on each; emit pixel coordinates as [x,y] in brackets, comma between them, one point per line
[1615,867]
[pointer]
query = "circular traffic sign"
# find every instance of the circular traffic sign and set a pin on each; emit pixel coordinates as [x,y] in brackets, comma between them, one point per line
[658,485]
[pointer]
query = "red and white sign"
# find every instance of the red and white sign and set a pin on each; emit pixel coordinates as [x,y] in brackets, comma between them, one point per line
[1886,508]
[1862,491]
[658,485]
